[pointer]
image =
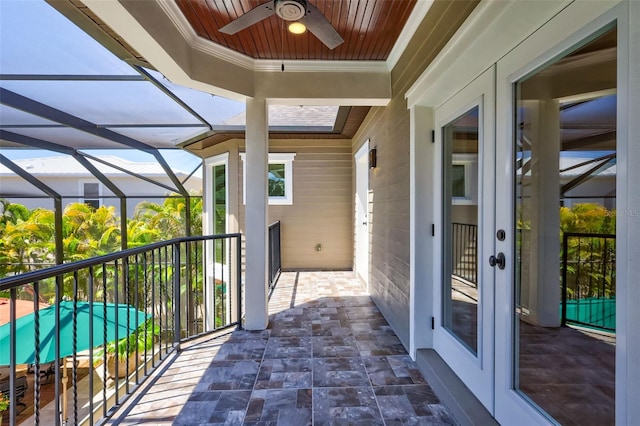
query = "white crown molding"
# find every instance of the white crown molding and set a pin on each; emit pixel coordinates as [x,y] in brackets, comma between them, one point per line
[415,19]
[177,17]
[210,48]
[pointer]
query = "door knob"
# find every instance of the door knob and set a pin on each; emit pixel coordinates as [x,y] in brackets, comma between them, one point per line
[497,260]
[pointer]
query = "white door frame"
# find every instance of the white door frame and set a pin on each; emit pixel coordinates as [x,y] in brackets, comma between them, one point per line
[476,370]
[361,203]
[208,226]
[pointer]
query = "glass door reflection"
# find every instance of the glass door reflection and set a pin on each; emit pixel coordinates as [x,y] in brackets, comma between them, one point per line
[460,225]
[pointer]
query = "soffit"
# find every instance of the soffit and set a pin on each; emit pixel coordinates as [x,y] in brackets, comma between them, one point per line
[369,29]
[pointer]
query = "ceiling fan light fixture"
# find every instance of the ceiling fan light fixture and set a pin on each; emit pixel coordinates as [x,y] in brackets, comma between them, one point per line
[297,28]
[290,10]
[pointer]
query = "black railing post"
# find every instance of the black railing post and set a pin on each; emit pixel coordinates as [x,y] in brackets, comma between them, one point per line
[176,296]
[275,254]
[239,278]
[565,247]
[12,358]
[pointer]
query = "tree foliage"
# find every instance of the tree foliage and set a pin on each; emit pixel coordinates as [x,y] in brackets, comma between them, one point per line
[591,252]
[27,236]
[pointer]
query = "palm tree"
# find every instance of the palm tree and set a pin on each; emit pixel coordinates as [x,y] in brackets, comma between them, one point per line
[27,244]
[169,218]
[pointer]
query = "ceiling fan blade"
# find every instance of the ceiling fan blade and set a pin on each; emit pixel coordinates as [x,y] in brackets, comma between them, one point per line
[320,27]
[253,16]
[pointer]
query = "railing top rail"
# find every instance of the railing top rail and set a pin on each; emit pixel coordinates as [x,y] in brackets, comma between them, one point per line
[588,235]
[53,271]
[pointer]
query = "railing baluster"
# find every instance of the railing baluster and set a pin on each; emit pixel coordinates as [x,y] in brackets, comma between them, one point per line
[104,340]
[126,267]
[153,306]
[36,373]
[12,357]
[116,357]
[176,295]
[91,342]
[137,306]
[59,283]
[75,355]
[166,297]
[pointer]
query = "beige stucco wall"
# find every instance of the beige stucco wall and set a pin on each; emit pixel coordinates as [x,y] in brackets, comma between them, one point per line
[387,128]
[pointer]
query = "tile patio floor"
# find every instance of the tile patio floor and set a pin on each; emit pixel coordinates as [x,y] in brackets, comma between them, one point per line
[328,358]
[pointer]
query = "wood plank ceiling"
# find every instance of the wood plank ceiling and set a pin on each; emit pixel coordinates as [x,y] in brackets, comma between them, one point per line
[369,28]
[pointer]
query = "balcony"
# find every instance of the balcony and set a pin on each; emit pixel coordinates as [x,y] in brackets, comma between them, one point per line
[327,356]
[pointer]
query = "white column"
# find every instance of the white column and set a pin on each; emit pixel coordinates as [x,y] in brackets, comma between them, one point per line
[257,157]
[542,294]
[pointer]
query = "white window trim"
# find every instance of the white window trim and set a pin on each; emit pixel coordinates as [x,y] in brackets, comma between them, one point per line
[81,190]
[470,163]
[274,158]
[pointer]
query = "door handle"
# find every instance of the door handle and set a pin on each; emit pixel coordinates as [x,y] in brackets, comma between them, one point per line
[497,260]
[364,223]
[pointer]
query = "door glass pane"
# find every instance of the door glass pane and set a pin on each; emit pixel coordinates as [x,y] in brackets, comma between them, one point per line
[565,197]
[219,199]
[460,222]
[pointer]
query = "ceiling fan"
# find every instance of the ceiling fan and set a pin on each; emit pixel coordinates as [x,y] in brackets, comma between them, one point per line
[289,10]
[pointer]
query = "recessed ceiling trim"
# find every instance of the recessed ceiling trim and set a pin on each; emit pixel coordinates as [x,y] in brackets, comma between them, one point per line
[206,46]
[175,15]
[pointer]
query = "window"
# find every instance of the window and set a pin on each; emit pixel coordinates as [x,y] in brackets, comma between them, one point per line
[280,178]
[457,181]
[464,188]
[91,194]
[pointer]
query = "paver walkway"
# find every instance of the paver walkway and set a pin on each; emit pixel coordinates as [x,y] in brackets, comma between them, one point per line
[328,358]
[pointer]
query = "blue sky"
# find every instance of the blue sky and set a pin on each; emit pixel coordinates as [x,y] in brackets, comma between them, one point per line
[36,39]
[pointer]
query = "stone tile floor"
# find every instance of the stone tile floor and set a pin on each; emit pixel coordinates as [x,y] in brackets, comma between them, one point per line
[328,358]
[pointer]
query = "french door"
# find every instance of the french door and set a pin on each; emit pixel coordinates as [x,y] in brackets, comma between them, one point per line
[464,311]
[508,150]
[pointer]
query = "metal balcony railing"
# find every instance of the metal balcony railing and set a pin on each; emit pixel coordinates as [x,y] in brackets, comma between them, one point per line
[465,254]
[589,280]
[120,316]
[275,255]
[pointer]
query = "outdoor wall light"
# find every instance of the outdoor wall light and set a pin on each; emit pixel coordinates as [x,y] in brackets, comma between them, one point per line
[373,158]
[297,28]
